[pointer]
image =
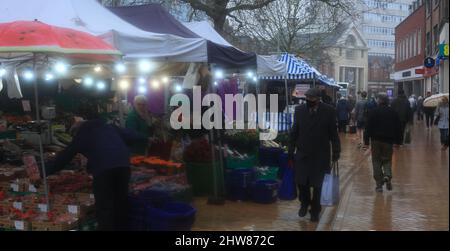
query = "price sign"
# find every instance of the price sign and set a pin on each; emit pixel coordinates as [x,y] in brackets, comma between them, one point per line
[15,187]
[19,225]
[32,188]
[43,208]
[73,209]
[17,205]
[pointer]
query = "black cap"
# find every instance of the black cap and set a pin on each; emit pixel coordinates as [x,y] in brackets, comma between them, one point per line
[314,93]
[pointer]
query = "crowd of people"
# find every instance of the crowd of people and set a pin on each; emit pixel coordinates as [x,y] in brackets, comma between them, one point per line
[381,124]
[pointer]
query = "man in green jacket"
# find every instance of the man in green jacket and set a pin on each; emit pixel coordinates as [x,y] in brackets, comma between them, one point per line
[140,121]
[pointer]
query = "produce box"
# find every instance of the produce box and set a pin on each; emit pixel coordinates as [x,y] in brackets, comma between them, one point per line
[53,226]
[5,223]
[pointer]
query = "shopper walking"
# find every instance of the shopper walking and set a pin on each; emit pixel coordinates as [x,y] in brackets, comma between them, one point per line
[313,133]
[413,105]
[343,114]
[384,130]
[442,119]
[429,113]
[361,117]
[420,108]
[403,107]
[105,147]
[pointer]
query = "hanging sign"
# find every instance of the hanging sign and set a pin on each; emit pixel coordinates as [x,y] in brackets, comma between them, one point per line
[429,62]
[443,50]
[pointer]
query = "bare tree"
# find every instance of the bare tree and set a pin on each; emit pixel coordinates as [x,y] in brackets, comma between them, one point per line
[220,10]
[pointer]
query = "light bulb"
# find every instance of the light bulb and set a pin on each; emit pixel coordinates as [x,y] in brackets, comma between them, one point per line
[98,68]
[142,89]
[60,68]
[145,66]
[28,75]
[101,85]
[88,81]
[120,68]
[124,85]
[49,77]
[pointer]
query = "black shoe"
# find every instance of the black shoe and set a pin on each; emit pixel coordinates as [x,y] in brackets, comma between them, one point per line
[314,217]
[303,211]
[388,183]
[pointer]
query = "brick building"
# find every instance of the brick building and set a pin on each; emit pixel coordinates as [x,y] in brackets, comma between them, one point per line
[410,43]
[436,28]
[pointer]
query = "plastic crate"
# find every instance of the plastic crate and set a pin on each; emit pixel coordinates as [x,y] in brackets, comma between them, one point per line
[270,156]
[173,216]
[238,184]
[270,173]
[236,163]
[265,191]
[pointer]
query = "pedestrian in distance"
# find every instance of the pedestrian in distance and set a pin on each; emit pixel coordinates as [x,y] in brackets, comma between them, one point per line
[403,107]
[361,118]
[312,135]
[413,104]
[429,113]
[343,114]
[442,122]
[384,130]
[420,108]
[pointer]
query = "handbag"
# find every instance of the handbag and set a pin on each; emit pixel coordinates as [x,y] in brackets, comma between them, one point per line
[330,187]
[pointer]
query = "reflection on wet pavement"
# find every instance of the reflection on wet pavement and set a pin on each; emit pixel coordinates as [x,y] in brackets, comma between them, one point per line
[419,200]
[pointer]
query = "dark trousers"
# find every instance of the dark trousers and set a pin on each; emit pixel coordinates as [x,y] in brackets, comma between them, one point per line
[419,115]
[381,160]
[342,125]
[306,200]
[402,128]
[444,137]
[429,119]
[111,199]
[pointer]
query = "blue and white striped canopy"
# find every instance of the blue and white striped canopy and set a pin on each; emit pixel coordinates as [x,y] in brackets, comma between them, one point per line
[298,69]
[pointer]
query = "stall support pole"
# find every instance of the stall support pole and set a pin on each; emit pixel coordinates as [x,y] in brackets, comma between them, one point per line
[216,198]
[41,147]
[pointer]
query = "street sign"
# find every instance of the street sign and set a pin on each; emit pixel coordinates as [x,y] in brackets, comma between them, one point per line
[429,62]
[420,71]
[443,50]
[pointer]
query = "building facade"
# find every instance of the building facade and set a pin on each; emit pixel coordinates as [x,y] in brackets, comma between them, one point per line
[348,59]
[378,21]
[410,52]
[436,15]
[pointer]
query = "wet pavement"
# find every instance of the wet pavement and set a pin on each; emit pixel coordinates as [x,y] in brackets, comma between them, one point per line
[419,201]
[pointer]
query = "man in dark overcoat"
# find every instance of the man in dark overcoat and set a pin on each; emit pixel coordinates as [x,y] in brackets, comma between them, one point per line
[314,138]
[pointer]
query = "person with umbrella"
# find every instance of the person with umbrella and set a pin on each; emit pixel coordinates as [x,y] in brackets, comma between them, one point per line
[442,121]
[429,112]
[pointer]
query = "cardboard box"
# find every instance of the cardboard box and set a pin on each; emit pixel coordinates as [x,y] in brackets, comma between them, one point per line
[52,226]
[5,223]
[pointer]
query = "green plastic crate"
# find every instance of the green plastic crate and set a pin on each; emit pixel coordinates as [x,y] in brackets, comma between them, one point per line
[269,174]
[235,163]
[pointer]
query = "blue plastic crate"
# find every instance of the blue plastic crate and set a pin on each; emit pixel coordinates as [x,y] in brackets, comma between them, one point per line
[172,216]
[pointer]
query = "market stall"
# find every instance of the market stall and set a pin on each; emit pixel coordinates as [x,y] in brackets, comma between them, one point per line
[65,201]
